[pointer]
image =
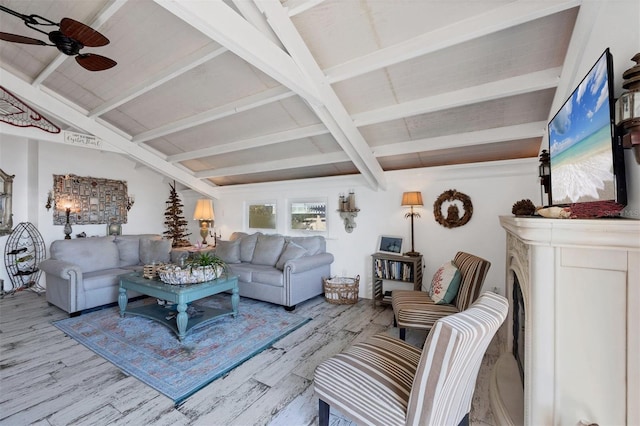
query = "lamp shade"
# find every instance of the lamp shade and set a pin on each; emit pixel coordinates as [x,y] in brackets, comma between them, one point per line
[412,198]
[204,210]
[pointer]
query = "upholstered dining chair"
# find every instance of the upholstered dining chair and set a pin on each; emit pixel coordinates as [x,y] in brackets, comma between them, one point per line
[386,381]
[416,309]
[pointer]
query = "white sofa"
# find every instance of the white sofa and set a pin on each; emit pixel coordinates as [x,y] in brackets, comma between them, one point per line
[83,273]
[275,268]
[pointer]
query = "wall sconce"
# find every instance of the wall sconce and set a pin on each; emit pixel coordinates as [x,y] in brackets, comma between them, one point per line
[50,201]
[544,172]
[411,199]
[204,213]
[348,210]
[130,201]
[628,108]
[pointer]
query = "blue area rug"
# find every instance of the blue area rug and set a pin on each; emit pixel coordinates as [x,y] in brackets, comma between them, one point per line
[153,354]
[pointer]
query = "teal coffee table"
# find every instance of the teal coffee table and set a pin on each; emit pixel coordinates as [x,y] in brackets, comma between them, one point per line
[181,295]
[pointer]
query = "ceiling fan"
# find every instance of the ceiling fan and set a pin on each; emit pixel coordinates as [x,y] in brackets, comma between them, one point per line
[71,37]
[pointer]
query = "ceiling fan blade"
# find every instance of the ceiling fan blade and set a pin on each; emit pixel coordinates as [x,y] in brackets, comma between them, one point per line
[82,33]
[95,62]
[21,39]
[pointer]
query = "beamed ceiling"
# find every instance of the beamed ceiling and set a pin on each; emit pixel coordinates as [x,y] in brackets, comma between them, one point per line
[215,93]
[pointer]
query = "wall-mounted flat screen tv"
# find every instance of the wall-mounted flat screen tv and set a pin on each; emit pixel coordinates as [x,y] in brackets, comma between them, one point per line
[587,159]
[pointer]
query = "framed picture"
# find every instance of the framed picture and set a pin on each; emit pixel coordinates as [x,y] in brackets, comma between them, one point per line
[114,229]
[261,215]
[308,215]
[390,244]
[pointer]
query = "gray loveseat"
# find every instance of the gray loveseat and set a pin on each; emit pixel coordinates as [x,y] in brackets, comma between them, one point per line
[83,273]
[275,268]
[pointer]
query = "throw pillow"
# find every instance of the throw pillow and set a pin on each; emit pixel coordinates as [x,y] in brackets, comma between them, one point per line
[247,246]
[228,251]
[268,249]
[313,245]
[155,250]
[445,284]
[291,251]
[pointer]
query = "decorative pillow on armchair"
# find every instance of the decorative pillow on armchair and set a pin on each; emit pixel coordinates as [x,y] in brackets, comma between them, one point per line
[445,284]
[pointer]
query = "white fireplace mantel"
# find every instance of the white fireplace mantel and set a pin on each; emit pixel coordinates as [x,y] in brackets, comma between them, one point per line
[580,281]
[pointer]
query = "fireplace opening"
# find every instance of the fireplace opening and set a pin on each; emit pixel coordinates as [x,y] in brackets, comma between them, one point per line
[518,326]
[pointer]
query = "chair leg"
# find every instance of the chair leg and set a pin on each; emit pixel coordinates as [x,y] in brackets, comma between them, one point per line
[403,333]
[395,322]
[323,413]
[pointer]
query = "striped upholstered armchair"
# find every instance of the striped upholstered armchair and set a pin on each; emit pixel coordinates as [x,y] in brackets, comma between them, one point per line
[416,309]
[385,381]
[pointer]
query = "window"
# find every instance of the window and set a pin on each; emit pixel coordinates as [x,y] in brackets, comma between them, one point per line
[262,215]
[308,215]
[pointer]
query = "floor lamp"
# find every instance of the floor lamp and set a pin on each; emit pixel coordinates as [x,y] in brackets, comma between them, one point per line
[410,199]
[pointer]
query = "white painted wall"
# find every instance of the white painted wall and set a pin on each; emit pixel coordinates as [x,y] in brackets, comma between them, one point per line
[34,163]
[493,188]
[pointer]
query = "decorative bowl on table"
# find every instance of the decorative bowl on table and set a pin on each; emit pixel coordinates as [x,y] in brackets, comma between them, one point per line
[173,274]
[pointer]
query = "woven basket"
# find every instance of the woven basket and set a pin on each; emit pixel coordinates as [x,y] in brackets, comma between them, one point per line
[341,290]
[151,271]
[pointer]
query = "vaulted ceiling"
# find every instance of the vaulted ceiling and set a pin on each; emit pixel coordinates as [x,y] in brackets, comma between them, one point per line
[215,93]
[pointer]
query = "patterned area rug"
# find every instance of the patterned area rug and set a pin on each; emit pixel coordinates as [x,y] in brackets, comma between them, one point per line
[153,354]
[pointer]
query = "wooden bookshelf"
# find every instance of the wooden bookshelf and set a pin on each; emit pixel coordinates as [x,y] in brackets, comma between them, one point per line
[390,267]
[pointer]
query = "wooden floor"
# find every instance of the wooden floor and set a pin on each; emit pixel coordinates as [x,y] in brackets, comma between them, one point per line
[46,378]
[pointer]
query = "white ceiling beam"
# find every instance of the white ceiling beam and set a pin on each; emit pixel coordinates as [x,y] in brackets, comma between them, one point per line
[270,139]
[52,106]
[332,112]
[107,12]
[254,101]
[296,7]
[255,18]
[269,166]
[540,80]
[459,140]
[507,16]
[221,23]
[197,58]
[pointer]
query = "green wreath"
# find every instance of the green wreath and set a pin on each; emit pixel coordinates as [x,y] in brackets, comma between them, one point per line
[453,219]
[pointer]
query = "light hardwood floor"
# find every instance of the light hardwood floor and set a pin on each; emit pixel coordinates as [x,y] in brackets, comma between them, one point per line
[46,378]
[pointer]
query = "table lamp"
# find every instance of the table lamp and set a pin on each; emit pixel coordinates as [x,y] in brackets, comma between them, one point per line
[204,213]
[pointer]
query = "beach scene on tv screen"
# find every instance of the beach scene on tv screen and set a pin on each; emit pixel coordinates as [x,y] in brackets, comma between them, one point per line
[580,143]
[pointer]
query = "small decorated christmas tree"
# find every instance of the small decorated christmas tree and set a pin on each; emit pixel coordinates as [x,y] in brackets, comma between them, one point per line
[176,223]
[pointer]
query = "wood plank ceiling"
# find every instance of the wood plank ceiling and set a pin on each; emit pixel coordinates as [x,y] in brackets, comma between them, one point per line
[215,93]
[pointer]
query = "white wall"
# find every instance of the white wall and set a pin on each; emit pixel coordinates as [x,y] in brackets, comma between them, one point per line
[34,163]
[492,187]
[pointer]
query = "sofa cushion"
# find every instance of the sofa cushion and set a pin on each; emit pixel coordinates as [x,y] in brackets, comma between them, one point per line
[155,250]
[291,251]
[128,251]
[247,244]
[90,254]
[228,251]
[103,278]
[242,271]
[268,249]
[264,274]
[314,245]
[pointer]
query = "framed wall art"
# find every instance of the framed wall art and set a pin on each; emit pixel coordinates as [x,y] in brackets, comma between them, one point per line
[390,244]
[261,214]
[90,200]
